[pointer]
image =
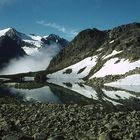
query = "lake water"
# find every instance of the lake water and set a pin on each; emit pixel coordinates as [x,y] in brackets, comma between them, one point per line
[64,91]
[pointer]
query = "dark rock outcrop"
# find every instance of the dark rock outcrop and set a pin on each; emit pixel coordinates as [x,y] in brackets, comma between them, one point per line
[9,49]
[54,39]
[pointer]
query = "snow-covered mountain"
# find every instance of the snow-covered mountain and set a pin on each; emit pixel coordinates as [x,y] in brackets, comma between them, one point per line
[29,44]
[109,57]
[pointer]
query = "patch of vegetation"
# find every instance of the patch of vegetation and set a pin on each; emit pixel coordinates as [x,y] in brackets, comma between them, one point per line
[40,77]
[117,61]
[29,85]
[68,84]
[81,70]
[67,71]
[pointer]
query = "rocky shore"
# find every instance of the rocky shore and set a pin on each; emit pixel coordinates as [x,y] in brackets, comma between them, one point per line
[20,120]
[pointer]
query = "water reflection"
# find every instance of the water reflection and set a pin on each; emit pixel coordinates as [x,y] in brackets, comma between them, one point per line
[71,91]
[43,94]
[114,95]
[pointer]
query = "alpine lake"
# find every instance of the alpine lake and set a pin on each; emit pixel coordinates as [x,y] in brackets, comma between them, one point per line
[71,91]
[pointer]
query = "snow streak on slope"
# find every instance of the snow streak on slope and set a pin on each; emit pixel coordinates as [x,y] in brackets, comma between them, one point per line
[112,41]
[112,68]
[112,54]
[85,64]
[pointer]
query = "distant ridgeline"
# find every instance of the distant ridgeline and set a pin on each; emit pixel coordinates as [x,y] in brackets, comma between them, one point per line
[14,44]
[101,57]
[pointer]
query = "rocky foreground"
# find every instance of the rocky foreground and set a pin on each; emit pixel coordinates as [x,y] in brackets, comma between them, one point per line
[21,120]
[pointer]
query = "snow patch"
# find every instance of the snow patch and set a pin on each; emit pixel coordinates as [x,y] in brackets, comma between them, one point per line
[112,41]
[30,50]
[33,40]
[28,78]
[87,63]
[99,49]
[37,38]
[112,68]
[3,32]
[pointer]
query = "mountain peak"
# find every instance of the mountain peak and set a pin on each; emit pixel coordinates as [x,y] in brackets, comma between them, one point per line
[89,34]
[53,38]
[53,35]
[4,31]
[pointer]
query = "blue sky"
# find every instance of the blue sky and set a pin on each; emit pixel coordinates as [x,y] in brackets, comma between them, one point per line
[66,17]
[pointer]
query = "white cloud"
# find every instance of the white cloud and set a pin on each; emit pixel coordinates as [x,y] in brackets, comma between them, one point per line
[37,62]
[70,33]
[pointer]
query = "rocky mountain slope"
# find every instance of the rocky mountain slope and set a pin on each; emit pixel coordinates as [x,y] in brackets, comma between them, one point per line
[101,57]
[14,43]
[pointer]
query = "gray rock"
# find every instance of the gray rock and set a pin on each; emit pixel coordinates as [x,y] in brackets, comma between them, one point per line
[5,126]
[56,138]
[25,138]
[104,136]
[39,136]
[113,125]
[9,137]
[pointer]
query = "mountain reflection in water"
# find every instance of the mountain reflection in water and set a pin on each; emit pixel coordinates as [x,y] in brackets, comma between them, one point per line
[73,92]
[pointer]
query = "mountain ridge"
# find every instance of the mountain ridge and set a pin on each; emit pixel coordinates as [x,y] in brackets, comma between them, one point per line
[100,54]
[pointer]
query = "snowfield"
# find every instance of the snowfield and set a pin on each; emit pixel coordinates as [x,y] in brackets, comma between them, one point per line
[112,68]
[85,64]
[34,40]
